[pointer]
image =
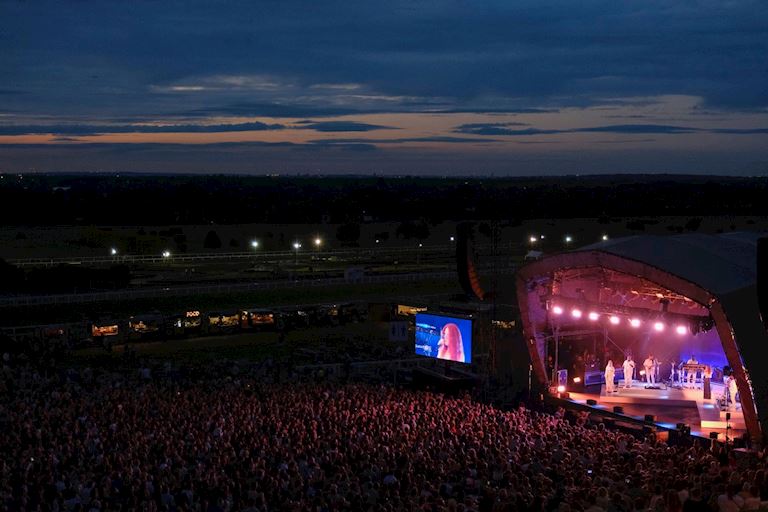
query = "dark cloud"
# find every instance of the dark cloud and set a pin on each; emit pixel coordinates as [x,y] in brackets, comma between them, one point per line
[342,126]
[659,129]
[83,130]
[450,55]
[453,140]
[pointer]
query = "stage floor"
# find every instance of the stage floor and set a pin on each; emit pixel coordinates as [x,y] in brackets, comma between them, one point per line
[670,406]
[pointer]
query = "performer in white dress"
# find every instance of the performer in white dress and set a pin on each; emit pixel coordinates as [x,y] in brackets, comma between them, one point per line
[732,390]
[650,369]
[629,367]
[610,372]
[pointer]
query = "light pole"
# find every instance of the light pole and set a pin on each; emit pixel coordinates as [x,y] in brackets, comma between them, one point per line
[296,247]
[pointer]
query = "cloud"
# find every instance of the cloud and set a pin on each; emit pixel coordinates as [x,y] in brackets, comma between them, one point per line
[446,139]
[656,129]
[83,130]
[341,126]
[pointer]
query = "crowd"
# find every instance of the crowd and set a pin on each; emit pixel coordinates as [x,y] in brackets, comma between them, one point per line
[261,439]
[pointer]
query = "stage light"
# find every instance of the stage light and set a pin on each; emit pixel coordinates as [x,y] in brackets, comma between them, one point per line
[594,316]
[681,330]
[560,389]
[635,322]
[557,310]
[576,313]
[576,380]
[614,320]
[452,239]
[642,372]
[658,326]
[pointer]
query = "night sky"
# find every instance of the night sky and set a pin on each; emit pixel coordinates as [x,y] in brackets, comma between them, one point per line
[412,87]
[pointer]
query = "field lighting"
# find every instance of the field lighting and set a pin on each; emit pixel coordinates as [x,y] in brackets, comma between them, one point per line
[166,254]
[113,251]
[255,244]
[318,242]
[576,313]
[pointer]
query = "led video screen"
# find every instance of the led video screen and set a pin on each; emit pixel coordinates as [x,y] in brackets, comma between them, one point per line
[444,337]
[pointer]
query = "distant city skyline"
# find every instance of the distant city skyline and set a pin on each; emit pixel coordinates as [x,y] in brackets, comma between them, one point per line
[441,88]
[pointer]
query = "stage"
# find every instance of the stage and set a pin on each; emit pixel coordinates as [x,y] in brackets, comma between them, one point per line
[669,405]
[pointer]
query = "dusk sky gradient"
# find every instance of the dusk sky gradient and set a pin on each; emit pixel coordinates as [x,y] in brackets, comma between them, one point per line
[412,87]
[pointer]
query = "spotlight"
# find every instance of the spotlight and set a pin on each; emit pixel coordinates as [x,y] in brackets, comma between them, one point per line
[557,310]
[635,322]
[605,237]
[576,380]
[642,372]
[594,316]
[255,244]
[560,388]
[533,239]
[614,320]
[113,251]
[576,313]
[681,330]
[658,326]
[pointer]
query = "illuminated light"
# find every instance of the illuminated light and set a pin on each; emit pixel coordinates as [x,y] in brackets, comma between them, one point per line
[255,244]
[113,251]
[568,239]
[642,372]
[681,330]
[453,239]
[533,239]
[594,316]
[166,254]
[635,322]
[576,380]
[318,242]
[557,310]
[560,389]
[614,320]
[421,245]
[576,313]
[542,237]
[296,245]
[658,326]
[605,237]
[377,240]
